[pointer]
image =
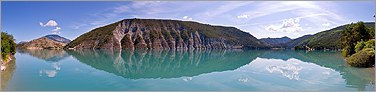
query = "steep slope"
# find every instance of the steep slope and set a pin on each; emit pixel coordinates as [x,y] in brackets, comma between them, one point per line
[45,42]
[273,41]
[163,34]
[329,39]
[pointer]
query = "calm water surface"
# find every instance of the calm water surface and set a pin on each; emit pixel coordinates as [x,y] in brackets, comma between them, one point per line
[256,70]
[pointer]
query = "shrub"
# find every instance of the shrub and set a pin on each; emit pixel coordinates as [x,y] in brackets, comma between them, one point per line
[370,44]
[359,46]
[363,58]
[346,51]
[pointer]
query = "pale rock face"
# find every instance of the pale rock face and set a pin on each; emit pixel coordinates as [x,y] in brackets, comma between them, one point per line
[132,34]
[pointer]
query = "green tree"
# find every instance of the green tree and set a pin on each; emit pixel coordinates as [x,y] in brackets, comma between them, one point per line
[351,35]
[8,46]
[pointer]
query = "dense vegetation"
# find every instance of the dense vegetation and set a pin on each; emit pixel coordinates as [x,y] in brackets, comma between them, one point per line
[8,46]
[331,39]
[359,45]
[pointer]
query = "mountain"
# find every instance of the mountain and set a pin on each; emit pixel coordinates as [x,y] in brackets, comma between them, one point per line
[295,42]
[58,38]
[163,34]
[329,39]
[45,42]
[273,41]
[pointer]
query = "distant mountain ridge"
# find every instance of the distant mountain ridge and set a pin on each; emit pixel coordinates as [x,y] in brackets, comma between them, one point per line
[45,42]
[295,42]
[329,39]
[273,41]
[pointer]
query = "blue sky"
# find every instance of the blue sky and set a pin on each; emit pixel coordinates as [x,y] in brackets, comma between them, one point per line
[30,20]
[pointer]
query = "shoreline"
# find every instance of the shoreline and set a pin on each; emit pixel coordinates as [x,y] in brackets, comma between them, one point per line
[3,64]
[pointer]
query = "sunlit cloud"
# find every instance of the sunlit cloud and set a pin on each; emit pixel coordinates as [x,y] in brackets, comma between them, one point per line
[56,30]
[187,18]
[51,23]
[289,25]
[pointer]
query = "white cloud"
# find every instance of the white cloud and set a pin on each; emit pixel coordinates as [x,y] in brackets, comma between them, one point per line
[41,24]
[187,18]
[244,16]
[289,25]
[51,23]
[56,30]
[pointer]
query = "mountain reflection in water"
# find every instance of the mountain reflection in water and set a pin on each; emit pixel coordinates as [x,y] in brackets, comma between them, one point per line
[286,68]
[163,63]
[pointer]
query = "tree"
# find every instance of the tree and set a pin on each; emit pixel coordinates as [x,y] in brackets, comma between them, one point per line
[351,35]
[8,46]
[347,41]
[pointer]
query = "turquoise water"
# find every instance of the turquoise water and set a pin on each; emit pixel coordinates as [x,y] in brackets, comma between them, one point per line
[255,70]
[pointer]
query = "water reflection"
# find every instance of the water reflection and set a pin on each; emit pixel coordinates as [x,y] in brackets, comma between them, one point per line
[7,74]
[163,64]
[282,69]
[51,56]
[290,71]
[45,54]
[360,78]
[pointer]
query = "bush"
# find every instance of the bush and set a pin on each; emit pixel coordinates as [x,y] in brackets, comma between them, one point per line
[370,44]
[359,46]
[346,51]
[363,58]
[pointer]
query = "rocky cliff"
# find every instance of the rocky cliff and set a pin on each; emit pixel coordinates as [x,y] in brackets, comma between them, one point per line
[163,34]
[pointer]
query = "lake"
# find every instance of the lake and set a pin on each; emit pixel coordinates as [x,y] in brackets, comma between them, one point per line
[254,70]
